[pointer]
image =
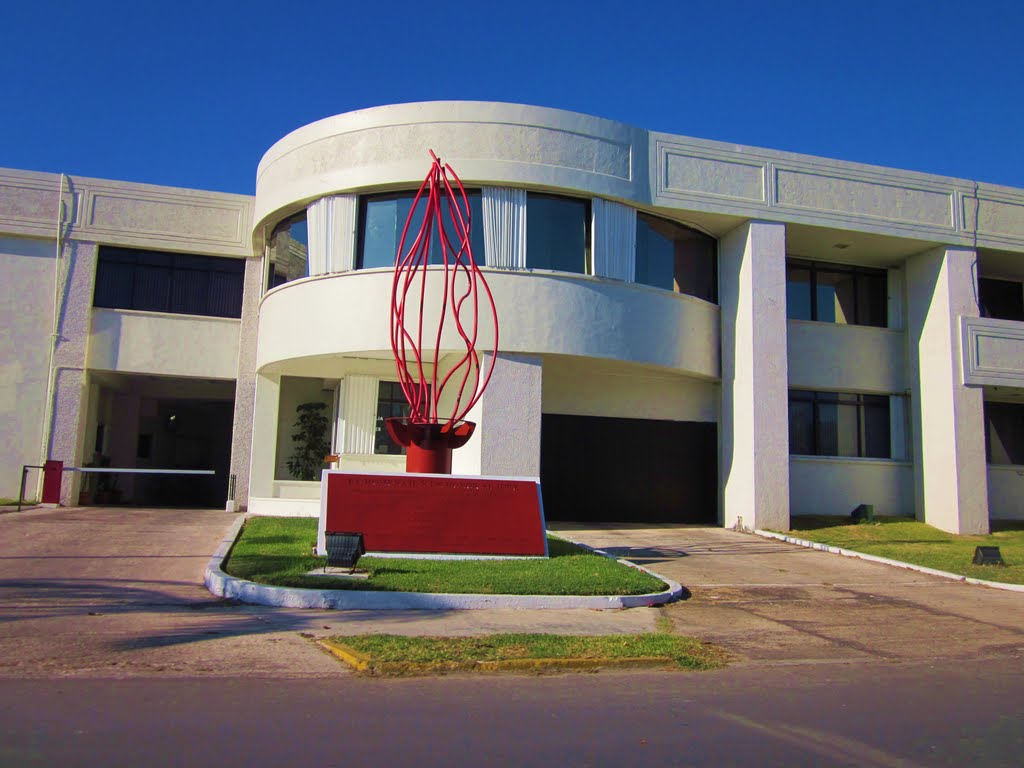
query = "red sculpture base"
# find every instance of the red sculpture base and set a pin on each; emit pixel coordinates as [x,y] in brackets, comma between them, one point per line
[429,446]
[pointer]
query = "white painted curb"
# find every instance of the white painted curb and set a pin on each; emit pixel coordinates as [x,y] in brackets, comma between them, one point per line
[224,585]
[887,561]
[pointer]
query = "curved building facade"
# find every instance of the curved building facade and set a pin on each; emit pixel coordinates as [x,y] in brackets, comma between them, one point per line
[690,331]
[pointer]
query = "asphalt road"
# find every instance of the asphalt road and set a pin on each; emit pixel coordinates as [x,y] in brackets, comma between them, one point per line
[844,715]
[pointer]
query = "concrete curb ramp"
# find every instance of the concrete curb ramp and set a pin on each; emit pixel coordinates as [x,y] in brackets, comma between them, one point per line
[363,663]
[886,561]
[225,585]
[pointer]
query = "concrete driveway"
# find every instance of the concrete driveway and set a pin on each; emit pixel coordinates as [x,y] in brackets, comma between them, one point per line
[771,602]
[116,592]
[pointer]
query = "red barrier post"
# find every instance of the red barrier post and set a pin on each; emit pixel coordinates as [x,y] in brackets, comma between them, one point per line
[53,474]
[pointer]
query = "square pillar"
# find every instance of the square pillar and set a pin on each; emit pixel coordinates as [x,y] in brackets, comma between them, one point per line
[754,427]
[245,387]
[508,416]
[263,451]
[950,473]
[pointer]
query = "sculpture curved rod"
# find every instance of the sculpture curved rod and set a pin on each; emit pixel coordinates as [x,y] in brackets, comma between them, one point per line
[443,239]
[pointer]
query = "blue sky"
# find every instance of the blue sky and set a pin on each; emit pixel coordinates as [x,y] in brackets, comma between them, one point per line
[192,93]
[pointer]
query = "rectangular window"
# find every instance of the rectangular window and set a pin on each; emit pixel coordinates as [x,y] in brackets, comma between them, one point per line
[382,219]
[1004,433]
[835,293]
[390,402]
[676,258]
[1001,299]
[557,233]
[178,283]
[839,424]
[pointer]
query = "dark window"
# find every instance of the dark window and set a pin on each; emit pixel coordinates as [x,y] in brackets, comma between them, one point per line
[288,251]
[390,402]
[839,424]
[1001,299]
[382,219]
[676,258]
[179,283]
[557,233]
[833,293]
[1004,433]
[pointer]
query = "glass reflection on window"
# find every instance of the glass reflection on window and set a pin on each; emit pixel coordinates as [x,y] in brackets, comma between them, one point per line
[288,251]
[382,219]
[676,258]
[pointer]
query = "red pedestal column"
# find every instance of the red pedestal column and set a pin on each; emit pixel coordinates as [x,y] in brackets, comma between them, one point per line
[429,446]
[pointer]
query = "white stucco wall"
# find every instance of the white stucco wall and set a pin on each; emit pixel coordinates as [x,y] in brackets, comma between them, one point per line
[582,387]
[26,319]
[538,313]
[825,485]
[164,344]
[1005,492]
[845,358]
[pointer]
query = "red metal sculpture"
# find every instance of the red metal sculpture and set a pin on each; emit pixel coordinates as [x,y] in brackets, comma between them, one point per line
[443,239]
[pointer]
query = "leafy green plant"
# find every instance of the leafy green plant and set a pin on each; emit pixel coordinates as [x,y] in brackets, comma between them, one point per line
[310,440]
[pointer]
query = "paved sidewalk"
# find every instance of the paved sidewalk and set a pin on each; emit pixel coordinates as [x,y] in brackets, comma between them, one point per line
[117,592]
[772,602]
[93,591]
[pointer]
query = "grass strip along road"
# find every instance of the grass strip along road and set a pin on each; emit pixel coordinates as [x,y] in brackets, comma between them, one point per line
[278,551]
[909,541]
[399,655]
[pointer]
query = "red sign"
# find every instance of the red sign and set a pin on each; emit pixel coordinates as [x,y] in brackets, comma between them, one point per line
[437,513]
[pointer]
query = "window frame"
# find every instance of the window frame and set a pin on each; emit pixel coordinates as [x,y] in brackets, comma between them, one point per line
[714,256]
[856,271]
[818,398]
[362,205]
[588,230]
[178,267]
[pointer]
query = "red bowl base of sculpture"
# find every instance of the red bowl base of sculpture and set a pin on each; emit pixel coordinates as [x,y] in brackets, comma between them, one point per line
[429,446]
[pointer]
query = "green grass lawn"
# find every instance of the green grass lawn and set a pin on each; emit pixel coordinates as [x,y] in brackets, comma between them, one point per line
[275,550]
[6,502]
[905,539]
[431,654]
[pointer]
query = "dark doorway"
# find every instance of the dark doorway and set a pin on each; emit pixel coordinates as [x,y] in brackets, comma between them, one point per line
[186,435]
[629,470]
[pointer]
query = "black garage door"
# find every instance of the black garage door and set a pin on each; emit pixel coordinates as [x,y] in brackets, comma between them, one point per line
[604,469]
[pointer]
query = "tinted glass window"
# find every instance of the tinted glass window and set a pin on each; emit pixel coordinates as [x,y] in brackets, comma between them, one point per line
[154,281]
[382,219]
[839,424]
[557,233]
[833,293]
[1004,433]
[288,251]
[675,257]
[1001,299]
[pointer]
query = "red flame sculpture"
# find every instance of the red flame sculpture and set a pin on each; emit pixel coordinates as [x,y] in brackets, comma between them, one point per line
[443,239]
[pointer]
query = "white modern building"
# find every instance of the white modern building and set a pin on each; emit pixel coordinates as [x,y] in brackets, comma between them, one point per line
[691,331]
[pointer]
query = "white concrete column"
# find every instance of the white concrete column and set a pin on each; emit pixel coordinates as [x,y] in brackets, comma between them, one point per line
[948,421]
[754,428]
[245,386]
[267,394]
[507,438]
[67,439]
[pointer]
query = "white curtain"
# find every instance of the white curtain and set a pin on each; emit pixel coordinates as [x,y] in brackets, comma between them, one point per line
[504,212]
[360,414]
[332,234]
[614,246]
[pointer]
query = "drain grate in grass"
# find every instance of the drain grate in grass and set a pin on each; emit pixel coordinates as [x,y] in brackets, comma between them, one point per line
[277,551]
[910,541]
[400,655]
